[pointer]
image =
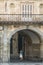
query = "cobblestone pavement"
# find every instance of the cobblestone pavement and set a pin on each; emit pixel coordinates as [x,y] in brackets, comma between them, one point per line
[21,63]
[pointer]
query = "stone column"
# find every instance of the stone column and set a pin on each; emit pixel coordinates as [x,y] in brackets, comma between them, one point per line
[1,46]
[5,52]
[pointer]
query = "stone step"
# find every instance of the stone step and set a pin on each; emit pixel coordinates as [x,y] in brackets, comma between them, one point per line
[21,63]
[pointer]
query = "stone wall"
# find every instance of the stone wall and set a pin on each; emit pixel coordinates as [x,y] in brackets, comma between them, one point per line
[15,8]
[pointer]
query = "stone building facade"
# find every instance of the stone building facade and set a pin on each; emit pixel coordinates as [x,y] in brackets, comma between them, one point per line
[24,18]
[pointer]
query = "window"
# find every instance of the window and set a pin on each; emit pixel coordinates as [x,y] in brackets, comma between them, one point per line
[41,8]
[26,11]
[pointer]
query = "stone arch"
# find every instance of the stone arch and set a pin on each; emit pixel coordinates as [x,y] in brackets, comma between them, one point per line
[35,30]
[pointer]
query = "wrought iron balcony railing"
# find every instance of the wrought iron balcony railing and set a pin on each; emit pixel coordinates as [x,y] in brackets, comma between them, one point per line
[21,17]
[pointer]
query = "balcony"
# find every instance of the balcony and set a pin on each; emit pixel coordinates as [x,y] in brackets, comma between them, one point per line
[20,18]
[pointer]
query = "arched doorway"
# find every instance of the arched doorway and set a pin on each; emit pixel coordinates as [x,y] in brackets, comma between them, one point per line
[26,41]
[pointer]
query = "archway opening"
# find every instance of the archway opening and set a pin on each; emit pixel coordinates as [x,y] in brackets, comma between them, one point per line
[25,46]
